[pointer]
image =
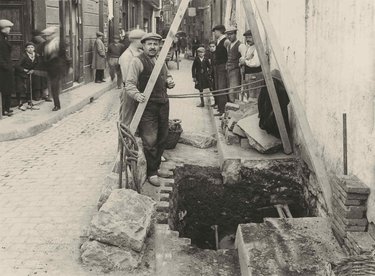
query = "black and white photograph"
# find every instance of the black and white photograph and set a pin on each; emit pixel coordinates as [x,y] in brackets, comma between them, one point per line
[187,137]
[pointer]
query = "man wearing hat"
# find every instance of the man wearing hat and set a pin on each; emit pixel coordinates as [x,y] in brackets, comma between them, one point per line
[201,72]
[220,73]
[115,49]
[153,127]
[128,105]
[6,67]
[235,50]
[98,58]
[251,64]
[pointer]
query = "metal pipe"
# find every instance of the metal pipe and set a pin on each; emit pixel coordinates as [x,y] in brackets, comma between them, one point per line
[345,144]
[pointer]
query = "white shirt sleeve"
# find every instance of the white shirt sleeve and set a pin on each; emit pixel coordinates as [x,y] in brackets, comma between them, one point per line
[253,59]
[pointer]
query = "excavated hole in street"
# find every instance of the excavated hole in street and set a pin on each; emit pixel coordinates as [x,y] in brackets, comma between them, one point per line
[200,201]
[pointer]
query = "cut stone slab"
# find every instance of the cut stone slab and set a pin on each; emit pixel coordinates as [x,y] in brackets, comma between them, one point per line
[124,220]
[350,212]
[259,139]
[299,246]
[200,140]
[339,195]
[109,258]
[362,241]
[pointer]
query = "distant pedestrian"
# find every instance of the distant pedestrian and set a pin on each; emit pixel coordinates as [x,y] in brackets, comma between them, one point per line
[55,62]
[26,81]
[183,43]
[235,50]
[115,50]
[194,46]
[210,55]
[220,73]
[128,105]
[154,124]
[252,68]
[201,73]
[98,58]
[6,67]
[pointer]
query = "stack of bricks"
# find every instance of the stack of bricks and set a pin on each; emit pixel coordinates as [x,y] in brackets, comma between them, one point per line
[349,203]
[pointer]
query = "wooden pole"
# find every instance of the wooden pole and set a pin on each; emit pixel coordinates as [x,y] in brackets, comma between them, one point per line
[300,115]
[268,77]
[159,64]
[345,144]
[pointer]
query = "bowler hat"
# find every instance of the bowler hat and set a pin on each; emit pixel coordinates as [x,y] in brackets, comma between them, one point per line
[231,29]
[136,34]
[5,23]
[220,28]
[247,33]
[149,36]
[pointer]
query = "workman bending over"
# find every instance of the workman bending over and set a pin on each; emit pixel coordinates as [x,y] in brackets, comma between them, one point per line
[153,127]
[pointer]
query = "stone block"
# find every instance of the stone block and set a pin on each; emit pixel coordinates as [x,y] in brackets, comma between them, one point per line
[111,182]
[244,142]
[124,220]
[231,123]
[350,212]
[343,198]
[361,241]
[348,228]
[238,131]
[231,171]
[232,106]
[258,138]
[351,184]
[200,140]
[230,138]
[108,258]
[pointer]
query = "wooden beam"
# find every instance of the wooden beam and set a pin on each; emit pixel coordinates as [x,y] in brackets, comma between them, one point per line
[308,141]
[159,64]
[268,77]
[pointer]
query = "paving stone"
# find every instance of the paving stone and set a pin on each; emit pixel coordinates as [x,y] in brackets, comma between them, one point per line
[109,258]
[351,184]
[232,106]
[124,220]
[258,138]
[230,138]
[201,140]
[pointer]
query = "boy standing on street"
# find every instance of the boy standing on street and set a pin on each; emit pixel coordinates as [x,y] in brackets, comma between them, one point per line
[201,72]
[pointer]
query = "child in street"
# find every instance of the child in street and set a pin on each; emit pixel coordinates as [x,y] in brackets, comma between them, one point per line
[201,73]
[26,81]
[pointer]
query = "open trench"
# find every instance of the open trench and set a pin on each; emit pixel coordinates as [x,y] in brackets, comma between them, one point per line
[208,212]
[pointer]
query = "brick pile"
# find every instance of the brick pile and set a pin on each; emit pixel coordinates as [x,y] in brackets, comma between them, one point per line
[349,223]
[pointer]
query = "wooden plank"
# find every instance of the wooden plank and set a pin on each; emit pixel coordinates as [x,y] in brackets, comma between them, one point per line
[159,64]
[307,137]
[268,77]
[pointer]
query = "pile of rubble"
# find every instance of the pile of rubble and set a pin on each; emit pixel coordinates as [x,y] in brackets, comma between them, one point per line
[349,214]
[240,125]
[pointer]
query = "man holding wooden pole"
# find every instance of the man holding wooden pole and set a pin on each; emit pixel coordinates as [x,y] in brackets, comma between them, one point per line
[154,123]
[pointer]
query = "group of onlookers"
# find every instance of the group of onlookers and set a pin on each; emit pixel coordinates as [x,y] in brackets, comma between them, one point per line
[227,65]
[42,65]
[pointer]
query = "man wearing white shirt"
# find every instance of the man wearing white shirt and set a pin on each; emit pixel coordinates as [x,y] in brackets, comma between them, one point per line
[235,50]
[251,63]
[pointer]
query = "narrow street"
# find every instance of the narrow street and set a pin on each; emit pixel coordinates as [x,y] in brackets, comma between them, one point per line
[50,183]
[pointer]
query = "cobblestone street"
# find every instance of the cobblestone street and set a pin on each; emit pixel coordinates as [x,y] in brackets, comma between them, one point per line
[49,187]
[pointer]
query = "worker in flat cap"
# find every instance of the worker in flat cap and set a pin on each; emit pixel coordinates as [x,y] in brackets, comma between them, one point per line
[6,67]
[154,124]
[115,50]
[219,68]
[127,104]
[252,69]
[201,73]
[99,58]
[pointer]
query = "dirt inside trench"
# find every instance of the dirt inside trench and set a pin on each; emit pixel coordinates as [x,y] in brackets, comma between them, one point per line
[202,201]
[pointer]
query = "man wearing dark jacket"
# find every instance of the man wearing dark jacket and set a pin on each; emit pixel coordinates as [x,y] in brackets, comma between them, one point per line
[154,124]
[6,67]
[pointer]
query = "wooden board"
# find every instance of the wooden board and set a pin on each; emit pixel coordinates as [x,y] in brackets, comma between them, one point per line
[159,64]
[268,77]
[309,143]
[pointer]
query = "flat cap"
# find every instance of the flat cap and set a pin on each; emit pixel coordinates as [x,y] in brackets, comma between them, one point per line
[247,33]
[99,34]
[149,36]
[220,28]
[29,43]
[50,30]
[231,29]
[5,23]
[201,49]
[136,34]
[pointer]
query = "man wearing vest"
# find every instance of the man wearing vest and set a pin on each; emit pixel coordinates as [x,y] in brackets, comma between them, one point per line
[235,50]
[154,124]
[220,74]
[253,70]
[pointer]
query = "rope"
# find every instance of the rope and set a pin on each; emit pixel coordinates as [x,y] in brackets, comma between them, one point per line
[128,155]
